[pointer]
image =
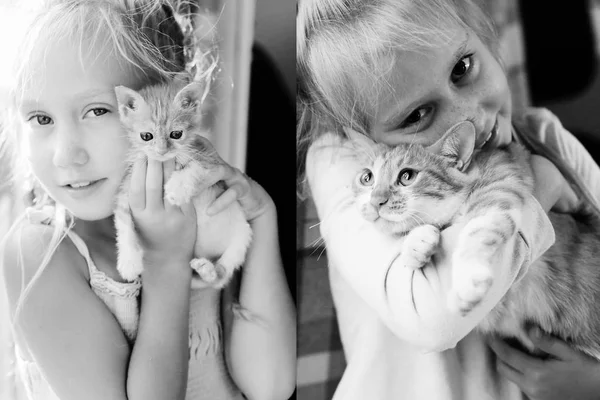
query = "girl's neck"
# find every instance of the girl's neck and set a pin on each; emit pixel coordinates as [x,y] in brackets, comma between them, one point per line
[103,229]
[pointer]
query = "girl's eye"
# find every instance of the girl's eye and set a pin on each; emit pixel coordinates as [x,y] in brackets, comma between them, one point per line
[415,117]
[406,177]
[146,136]
[41,119]
[176,134]
[366,178]
[462,68]
[98,111]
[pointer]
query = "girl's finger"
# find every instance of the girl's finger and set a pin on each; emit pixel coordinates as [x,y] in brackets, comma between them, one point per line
[224,200]
[551,345]
[137,187]
[225,172]
[188,210]
[511,374]
[513,357]
[154,185]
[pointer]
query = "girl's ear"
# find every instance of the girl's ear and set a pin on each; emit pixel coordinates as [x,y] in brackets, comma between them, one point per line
[129,100]
[191,96]
[458,144]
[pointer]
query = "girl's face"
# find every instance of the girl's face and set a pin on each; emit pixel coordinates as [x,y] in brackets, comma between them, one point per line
[73,136]
[436,88]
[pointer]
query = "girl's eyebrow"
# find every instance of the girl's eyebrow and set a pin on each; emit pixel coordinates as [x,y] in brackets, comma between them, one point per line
[459,53]
[82,96]
[90,94]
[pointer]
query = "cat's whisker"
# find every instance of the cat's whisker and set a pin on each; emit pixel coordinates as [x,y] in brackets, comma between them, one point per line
[315,225]
[320,254]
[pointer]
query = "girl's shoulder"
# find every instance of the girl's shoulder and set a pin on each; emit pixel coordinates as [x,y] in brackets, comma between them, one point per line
[36,254]
[539,123]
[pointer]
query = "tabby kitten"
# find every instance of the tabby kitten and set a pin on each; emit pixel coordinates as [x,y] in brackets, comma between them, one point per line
[163,122]
[415,192]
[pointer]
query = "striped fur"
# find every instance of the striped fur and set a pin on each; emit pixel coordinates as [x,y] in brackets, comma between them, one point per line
[560,292]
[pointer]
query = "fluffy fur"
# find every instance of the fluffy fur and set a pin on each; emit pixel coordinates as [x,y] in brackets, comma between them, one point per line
[163,122]
[415,192]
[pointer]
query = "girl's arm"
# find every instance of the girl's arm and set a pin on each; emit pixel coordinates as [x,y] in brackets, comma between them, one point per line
[158,368]
[548,129]
[72,336]
[413,304]
[567,373]
[261,347]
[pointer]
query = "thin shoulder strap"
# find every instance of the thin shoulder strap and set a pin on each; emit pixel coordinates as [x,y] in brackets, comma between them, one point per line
[82,248]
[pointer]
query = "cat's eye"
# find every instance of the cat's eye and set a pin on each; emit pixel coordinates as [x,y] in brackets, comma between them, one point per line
[406,177]
[146,136]
[176,134]
[462,68]
[366,178]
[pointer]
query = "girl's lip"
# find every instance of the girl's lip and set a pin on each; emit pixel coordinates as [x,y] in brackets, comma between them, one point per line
[84,191]
[491,136]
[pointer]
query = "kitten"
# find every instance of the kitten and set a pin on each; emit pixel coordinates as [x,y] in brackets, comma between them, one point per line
[415,192]
[163,122]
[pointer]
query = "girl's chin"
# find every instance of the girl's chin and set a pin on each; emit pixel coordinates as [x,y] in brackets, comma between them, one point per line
[89,212]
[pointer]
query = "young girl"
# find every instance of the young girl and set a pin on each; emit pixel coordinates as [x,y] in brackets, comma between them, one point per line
[69,306]
[405,72]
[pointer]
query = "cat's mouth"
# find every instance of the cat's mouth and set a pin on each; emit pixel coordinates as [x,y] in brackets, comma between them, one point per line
[161,158]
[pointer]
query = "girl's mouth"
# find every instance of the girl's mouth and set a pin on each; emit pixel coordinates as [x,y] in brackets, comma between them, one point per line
[490,136]
[83,188]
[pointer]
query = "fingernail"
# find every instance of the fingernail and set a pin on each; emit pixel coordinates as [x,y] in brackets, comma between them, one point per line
[535,333]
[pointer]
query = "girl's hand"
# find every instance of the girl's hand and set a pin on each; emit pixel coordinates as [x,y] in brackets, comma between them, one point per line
[255,201]
[551,188]
[167,233]
[565,374]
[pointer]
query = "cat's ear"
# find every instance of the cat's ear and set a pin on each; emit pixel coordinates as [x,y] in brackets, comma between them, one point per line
[191,96]
[358,139]
[458,144]
[128,100]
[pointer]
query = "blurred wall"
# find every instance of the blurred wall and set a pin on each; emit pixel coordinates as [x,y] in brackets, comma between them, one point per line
[275,29]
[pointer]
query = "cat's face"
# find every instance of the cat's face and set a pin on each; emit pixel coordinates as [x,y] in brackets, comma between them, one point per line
[408,185]
[163,122]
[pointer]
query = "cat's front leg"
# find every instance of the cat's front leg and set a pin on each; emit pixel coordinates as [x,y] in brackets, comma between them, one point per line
[477,254]
[129,251]
[418,247]
[180,188]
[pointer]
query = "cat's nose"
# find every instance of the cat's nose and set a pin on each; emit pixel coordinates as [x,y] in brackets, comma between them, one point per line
[378,201]
[161,151]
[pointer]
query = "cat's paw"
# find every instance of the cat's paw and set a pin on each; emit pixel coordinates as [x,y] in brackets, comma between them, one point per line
[209,273]
[130,264]
[470,284]
[419,245]
[177,190]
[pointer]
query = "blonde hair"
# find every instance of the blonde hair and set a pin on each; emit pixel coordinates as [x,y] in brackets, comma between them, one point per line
[145,36]
[340,40]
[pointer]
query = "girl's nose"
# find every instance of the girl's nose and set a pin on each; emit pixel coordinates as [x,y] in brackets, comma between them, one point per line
[69,151]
